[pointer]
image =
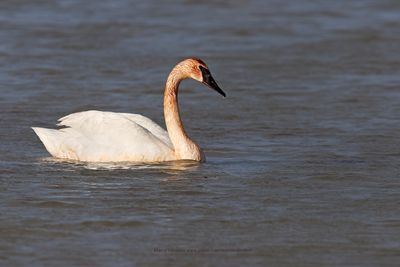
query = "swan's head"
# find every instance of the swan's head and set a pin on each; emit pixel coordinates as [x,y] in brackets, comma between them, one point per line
[199,71]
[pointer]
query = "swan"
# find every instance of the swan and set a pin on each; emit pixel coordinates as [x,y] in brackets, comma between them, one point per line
[98,136]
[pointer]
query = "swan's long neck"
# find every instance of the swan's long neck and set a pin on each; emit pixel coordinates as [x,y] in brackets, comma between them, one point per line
[184,147]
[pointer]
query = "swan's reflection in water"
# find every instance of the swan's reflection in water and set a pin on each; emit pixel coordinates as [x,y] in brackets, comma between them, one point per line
[171,167]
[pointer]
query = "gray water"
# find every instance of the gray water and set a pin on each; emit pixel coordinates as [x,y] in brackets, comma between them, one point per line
[303,155]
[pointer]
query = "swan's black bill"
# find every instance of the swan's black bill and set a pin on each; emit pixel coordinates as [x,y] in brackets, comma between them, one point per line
[209,81]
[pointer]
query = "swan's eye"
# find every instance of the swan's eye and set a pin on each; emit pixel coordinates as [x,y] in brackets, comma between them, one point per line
[205,73]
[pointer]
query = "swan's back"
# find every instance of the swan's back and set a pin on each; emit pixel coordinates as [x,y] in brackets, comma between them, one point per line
[107,136]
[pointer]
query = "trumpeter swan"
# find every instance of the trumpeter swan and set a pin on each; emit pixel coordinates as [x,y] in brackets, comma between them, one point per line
[110,137]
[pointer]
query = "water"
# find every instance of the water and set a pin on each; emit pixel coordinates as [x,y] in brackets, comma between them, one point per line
[303,154]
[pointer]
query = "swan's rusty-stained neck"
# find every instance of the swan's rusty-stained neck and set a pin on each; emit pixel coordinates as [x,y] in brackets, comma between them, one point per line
[184,147]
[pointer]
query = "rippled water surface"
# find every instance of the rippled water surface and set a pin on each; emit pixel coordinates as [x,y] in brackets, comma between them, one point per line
[303,154]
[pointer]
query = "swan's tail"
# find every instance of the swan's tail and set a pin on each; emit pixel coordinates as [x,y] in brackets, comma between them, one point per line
[52,140]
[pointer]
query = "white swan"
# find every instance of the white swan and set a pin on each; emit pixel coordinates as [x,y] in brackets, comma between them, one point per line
[98,136]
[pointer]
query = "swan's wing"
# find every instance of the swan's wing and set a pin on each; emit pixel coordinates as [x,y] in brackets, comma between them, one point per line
[151,126]
[105,136]
[88,119]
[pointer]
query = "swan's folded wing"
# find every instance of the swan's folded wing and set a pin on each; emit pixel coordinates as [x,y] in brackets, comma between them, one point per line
[151,126]
[92,117]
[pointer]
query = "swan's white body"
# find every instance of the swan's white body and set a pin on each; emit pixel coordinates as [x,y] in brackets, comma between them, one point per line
[107,136]
[110,137]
